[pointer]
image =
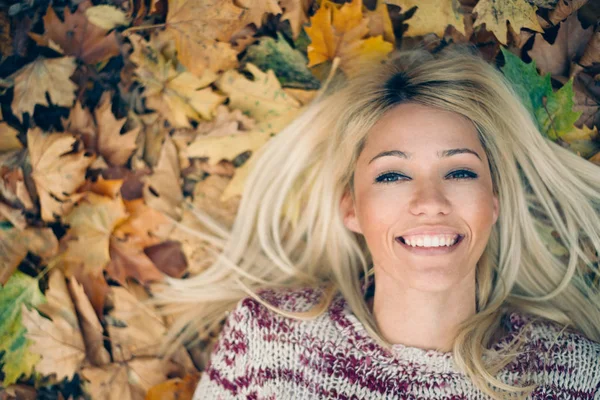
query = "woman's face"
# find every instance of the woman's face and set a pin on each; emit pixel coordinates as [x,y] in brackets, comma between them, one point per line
[405,180]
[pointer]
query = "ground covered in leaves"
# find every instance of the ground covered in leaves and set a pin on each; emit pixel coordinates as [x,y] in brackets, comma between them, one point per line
[117,113]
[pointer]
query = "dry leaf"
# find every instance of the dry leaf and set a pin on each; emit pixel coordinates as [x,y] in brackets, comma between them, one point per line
[255,11]
[58,339]
[432,16]
[91,329]
[116,148]
[380,22]
[56,174]
[81,123]
[339,32]
[175,389]
[49,75]
[106,17]
[295,11]
[77,36]
[495,14]
[8,137]
[130,261]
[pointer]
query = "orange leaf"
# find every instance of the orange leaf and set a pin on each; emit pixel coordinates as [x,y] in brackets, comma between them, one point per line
[175,389]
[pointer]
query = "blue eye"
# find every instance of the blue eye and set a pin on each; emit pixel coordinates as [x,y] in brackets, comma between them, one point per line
[461,174]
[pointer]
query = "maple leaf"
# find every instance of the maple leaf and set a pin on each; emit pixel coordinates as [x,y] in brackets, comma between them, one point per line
[175,389]
[8,137]
[56,174]
[126,381]
[91,223]
[201,30]
[106,17]
[255,11]
[81,123]
[568,46]
[134,328]
[77,36]
[495,14]
[44,75]
[162,189]
[380,22]
[175,94]
[288,64]
[432,16]
[295,11]
[116,148]
[552,110]
[339,32]
[15,243]
[92,331]
[17,360]
[57,340]
[261,98]
[127,260]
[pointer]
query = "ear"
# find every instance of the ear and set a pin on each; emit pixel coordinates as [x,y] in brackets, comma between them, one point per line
[349,212]
[496,204]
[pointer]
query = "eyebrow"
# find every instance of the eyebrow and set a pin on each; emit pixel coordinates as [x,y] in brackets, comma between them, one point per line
[440,154]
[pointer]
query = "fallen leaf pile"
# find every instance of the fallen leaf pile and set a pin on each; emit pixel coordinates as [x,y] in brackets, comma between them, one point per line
[115,113]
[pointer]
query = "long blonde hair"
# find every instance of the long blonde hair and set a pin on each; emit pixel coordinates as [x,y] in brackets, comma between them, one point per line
[310,163]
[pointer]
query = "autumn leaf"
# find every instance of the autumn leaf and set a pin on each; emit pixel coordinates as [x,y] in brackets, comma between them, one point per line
[126,381]
[44,75]
[116,148]
[15,243]
[129,261]
[340,32]
[177,95]
[134,328]
[57,340]
[261,98]
[295,11]
[91,223]
[106,17]
[432,16]
[380,22]
[8,137]
[201,30]
[56,174]
[288,64]
[162,189]
[81,123]
[494,15]
[77,36]
[175,389]
[552,110]
[568,47]
[20,290]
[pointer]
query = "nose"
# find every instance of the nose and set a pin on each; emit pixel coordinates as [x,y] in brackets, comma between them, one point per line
[429,199]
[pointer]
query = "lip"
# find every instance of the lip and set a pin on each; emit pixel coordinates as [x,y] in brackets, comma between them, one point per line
[432,251]
[432,230]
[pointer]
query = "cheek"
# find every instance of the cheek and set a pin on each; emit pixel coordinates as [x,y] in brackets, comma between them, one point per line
[378,210]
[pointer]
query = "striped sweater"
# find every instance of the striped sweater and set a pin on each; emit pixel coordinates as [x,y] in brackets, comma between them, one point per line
[263,355]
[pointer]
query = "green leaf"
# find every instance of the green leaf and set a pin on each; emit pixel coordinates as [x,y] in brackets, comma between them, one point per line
[288,64]
[20,289]
[553,111]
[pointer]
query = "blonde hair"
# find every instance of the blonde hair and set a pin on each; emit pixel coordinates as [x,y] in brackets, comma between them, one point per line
[310,164]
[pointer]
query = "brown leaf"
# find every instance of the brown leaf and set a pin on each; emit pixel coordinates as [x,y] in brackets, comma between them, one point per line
[41,76]
[564,8]
[568,46]
[587,100]
[116,148]
[162,189]
[77,36]
[295,11]
[591,53]
[129,261]
[134,328]
[8,137]
[95,288]
[58,339]
[81,123]
[255,12]
[126,381]
[175,389]
[56,174]
[168,257]
[90,326]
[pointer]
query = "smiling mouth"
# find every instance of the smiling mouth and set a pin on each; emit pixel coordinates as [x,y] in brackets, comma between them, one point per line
[460,238]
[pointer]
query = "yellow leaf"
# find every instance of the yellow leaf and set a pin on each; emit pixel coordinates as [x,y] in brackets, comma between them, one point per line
[217,148]
[8,137]
[494,15]
[81,122]
[432,16]
[339,32]
[262,98]
[58,339]
[41,76]
[56,174]
[91,223]
[106,17]
[176,94]
[116,148]
[380,22]
[256,10]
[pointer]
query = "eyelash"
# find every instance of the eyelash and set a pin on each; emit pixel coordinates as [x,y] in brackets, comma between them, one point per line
[470,175]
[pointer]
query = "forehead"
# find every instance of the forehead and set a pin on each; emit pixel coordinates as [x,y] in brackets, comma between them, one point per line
[418,128]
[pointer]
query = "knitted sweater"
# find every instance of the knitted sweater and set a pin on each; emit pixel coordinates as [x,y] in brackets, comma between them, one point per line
[263,355]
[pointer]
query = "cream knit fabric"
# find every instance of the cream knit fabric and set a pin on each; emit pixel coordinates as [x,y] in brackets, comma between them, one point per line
[262,355]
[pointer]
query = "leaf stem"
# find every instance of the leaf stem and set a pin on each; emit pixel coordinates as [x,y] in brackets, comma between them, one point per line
[141,28]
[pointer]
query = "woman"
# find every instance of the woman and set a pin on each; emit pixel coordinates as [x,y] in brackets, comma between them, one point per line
[332,271]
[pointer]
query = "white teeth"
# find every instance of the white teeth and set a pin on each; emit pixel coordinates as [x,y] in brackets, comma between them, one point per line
[432,241]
